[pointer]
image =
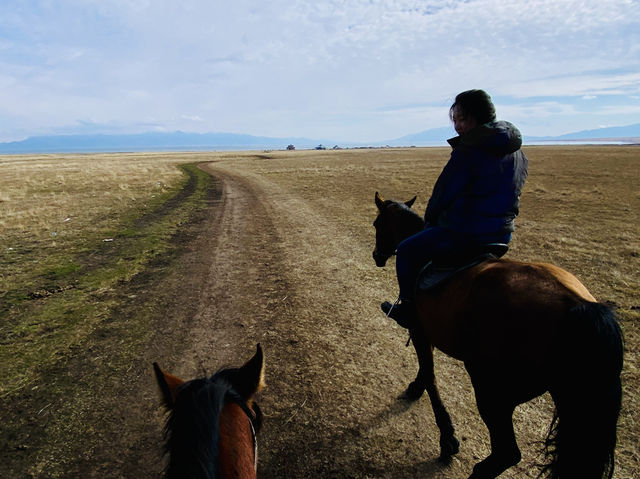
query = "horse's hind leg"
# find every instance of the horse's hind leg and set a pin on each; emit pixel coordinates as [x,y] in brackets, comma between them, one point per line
[425,380]
[497,414]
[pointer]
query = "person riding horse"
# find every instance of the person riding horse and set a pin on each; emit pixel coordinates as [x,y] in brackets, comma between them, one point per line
[475,199]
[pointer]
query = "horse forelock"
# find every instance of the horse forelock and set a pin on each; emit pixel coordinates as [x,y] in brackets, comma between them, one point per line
[392,207]
[192,430]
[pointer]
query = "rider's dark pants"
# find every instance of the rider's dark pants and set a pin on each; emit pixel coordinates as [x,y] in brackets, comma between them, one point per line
[414,252]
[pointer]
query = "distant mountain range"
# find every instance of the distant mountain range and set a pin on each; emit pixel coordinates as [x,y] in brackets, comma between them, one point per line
[151,141]
[181,141]
[629,133]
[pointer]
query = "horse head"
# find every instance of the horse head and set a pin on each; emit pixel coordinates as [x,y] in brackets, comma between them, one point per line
[213,421]
[395,222]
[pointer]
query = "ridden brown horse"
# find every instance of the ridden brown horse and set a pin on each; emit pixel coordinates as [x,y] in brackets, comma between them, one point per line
[212,426]
[521,329]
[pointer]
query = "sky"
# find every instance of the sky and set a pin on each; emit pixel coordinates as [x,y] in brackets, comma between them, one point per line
[343,70]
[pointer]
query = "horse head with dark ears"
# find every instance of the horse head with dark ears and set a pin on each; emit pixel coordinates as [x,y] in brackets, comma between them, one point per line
[213,421]
[246,380]
[387,237]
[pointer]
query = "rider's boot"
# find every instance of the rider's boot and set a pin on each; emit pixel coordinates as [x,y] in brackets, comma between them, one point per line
[402,312]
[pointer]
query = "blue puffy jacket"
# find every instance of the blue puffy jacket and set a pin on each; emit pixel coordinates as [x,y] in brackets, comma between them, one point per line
[478,191]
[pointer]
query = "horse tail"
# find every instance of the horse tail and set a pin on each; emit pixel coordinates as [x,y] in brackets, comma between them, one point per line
[587,395]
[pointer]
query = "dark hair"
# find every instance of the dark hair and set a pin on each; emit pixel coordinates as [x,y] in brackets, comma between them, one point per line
[476,104]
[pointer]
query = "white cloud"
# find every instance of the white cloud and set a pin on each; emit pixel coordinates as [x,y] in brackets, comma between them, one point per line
[191,118]
[324,68]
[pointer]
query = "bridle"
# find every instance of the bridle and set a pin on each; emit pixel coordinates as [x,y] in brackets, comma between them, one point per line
[252,415]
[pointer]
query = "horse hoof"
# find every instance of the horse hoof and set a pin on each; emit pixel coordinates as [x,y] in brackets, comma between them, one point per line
[448,448]
[445,459]
[413,392]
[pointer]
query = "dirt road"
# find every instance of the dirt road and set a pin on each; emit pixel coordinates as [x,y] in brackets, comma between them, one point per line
[269,266]
[331,384]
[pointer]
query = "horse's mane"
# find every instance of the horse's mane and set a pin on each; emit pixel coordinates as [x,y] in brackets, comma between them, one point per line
[409,218]
[409,212]
[192,428]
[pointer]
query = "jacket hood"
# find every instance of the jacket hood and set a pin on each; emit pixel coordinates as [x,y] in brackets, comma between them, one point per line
[497,137]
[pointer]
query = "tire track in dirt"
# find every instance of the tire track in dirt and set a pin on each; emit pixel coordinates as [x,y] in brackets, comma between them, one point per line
[301,285]
[267,266]
[208,310]
[330,401]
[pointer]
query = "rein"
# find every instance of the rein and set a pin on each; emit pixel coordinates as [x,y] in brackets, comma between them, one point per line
[252,416]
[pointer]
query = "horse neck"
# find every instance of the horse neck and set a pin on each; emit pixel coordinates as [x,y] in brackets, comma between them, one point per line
[237,451]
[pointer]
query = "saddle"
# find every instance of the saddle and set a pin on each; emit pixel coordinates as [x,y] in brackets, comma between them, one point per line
[444,267]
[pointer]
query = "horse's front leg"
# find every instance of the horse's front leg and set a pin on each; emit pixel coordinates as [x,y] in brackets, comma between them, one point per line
[426,380]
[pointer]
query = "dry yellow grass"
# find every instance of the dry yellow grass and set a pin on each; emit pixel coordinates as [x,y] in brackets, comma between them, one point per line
[50,205]
[66,195]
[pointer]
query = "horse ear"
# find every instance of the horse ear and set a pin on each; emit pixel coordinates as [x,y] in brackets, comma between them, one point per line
[410,202]
[250,378]
[379,201]
[168,384]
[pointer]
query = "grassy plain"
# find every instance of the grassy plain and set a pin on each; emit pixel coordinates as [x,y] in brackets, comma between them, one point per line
[71,228]
[76,230]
